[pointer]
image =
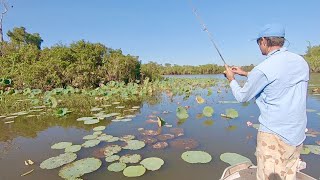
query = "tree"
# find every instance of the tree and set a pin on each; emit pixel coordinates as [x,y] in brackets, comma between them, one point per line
[20,36]
[5,5]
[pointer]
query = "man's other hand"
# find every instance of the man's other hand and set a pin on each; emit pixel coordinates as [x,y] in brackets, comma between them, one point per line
[238,70]
[228,73]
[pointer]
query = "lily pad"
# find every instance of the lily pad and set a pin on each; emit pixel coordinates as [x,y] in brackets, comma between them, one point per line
[256,126]
[177,131]
[105,137]
[94,109]
[134,171]
[58,161]
[127,137]
[113,139]
[62,112]
[92,121]
[149,140]
[79,168]
[97,133]
[112,158]
[116,167]
[208,111]
[196,157]
[111,150]
[134,145]
[232,113]
[208,122]
[182,112]
[160,145]
[90,136]
[152,163]
[164,137]
[186,144]
[91,143]
[233,158]
[305,150]
[311,110]
[200,100]
[130,158]
[149,132]
[99,128]
[85,118]
[73,148]
[315,149]
[61,145]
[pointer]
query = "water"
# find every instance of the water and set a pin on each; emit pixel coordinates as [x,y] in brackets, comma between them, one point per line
[31,138]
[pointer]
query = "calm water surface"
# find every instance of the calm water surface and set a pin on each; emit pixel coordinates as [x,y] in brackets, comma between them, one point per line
[31,138]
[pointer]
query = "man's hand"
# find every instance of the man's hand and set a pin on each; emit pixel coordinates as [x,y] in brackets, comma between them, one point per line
[238,70]
[228,73]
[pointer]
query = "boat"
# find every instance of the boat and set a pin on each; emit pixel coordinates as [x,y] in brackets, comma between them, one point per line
[247,171]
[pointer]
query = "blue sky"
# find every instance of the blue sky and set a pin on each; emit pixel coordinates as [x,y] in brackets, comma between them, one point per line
[166,31]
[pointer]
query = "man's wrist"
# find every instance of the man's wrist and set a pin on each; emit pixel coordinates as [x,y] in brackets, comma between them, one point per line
[230,79]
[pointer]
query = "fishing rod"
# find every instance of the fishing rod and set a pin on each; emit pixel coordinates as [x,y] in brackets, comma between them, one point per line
[206,29]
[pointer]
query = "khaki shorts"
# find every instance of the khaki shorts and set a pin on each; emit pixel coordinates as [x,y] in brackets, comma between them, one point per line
[276,159]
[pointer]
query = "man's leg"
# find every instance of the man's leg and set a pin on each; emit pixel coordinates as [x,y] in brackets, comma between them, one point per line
[276,159]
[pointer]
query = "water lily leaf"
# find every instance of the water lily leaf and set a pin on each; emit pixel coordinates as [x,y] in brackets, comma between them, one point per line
[233,158]
[73,148]
[152,163]
[232,113]
[208,111]
[160,145]
[130,158]
[94,109]
[111,150]
[58,161]
[160,121]
[92,121]
[61,145]
[186,144]
[164,137]
[136,107]
[112,158]
[196,157]
[305,150]
[113,139]
[134,145]
[315,149]
[208,122]
[90,136]
[256,126]
[228,102]
[127,137]
[52,101]
[85,118]
[134,171]
[99,128]
[79,168]
[105,137]
[62,112]
[231,128]
[91,143]
[182,112]
[311,110]
[116,103]
[97,133]
[116,167]
[199,100]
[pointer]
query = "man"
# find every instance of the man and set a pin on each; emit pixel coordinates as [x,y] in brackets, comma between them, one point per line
[279,85]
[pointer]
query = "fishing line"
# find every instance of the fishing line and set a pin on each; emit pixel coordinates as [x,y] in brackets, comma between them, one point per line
[204,28]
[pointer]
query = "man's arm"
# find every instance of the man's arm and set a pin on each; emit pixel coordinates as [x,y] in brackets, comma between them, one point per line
[255,83]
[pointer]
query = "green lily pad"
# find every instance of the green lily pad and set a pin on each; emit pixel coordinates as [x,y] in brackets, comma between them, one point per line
[232,113]
[305,150]
[200,100]
[228,102]
[136,107]
[130,158]
[233,158]
[99,128]
[152,163]
[311,110]
[92,121]
[315,149]
[79,168]
[62,112]
[105,137]
[94,109]
[134,171]
[91,143]
[196,157]
[58,161]
[182,113]
[85,118]
[113,139]
[97,133]
[256,126]
[111,150]
[112,158]
[21,113]
[90,136]
[73,148]
[208,111]
[61,145]
[117,167]
[134,145]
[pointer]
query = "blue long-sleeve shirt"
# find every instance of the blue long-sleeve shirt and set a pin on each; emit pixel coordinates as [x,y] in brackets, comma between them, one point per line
[279,85]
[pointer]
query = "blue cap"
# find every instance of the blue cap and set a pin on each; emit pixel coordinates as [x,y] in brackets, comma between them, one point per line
[272,30]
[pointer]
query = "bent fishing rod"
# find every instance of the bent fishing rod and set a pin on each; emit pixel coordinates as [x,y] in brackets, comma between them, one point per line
[206,29]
